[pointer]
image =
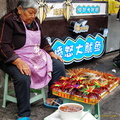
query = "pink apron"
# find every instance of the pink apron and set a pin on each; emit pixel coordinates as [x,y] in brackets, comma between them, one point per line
[37,59]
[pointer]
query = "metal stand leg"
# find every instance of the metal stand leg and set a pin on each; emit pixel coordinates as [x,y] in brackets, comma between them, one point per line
[97,111]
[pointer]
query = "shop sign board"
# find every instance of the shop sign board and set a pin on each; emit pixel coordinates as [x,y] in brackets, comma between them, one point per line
[78,9]
[75,50]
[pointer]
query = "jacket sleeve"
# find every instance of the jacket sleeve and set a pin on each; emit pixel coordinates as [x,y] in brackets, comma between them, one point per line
[7,53]
[44,43]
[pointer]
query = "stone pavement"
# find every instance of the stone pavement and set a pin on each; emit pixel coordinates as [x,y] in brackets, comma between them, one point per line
[109,106]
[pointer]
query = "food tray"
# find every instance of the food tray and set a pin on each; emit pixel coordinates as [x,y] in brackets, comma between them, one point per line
[91,101]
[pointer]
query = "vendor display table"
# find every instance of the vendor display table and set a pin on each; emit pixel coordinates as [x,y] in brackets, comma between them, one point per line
[86,87]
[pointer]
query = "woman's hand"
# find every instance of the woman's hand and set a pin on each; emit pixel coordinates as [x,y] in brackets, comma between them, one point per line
[52,54]
[22,66]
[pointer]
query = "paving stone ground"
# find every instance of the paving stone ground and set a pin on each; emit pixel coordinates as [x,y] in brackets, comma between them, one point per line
[109,106]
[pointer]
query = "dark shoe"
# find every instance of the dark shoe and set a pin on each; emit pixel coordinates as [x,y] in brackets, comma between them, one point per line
[116,63]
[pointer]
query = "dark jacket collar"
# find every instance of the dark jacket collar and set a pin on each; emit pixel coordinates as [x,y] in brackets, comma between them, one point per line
[16,16]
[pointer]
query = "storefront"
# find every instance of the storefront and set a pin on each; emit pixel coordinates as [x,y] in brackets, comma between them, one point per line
[79,34]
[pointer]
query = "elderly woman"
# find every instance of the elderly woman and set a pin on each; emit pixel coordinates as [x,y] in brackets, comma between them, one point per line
[26,55]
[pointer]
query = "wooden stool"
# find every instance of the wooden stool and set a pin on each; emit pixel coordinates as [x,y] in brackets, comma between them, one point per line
[39,93]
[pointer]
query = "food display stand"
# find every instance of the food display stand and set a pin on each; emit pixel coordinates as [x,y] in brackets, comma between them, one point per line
[85,86]
[76,30]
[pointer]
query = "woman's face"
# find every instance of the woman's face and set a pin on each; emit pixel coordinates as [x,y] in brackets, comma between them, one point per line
[27,15]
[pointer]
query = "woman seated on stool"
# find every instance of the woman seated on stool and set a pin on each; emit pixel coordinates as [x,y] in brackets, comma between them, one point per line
[27,56]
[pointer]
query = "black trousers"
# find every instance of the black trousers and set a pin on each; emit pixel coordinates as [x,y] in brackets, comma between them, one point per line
[22,85]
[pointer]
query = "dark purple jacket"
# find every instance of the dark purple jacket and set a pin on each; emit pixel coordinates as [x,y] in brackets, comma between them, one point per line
[13,36]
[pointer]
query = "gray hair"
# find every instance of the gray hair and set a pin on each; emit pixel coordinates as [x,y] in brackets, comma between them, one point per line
[25,4]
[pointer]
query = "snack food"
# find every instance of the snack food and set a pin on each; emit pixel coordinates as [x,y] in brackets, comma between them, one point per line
[85,85]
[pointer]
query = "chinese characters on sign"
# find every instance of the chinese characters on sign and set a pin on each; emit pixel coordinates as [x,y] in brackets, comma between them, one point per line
[87,9]
[80,48]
